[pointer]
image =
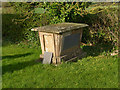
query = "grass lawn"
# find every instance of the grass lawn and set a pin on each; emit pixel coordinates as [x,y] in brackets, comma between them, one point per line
[21,71]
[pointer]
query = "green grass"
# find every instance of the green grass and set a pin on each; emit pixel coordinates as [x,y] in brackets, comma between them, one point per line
[21,71]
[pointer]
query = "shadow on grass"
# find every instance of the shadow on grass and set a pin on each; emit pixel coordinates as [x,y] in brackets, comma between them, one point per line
[16,56]
[97,49]
[18,66]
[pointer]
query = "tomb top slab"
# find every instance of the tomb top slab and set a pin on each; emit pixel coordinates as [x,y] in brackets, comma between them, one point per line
[60,27]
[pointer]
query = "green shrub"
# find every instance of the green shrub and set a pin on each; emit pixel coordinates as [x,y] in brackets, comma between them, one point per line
[56,12]
[102,22]
[103,26]
[11,31]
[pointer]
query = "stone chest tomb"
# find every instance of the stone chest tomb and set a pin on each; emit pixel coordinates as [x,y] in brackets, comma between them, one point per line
[62,40]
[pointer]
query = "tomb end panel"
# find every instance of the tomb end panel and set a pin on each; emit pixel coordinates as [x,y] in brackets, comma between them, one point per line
[47,42]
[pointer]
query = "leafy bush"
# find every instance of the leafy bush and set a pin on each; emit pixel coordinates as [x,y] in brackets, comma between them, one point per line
[56,12]
[102,22]
[11,31]
[103,26]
